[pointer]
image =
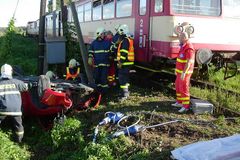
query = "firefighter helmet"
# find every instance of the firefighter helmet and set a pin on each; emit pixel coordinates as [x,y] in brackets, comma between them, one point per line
[116,27]
[99,31]
[6,71]
[73,63]
[51,75]
[123,29]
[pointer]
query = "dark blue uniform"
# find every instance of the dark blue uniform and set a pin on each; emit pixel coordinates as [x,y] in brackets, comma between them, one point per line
[100,52]
[11,102]
[123,72]
[114,48]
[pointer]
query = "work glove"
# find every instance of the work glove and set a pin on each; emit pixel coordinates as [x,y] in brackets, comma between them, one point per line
[183,75]
[90,61]
[119,65]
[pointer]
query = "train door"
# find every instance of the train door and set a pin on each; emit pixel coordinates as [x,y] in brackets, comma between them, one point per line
[142,23]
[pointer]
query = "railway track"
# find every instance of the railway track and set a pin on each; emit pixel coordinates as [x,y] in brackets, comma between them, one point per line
[163,81]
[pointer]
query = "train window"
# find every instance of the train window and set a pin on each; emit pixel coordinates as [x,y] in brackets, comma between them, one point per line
[196,7]
[87,12]
[142,7]
[80,13]
[108,9]
[97,10]
[231,8]
[158,7]
[124,8]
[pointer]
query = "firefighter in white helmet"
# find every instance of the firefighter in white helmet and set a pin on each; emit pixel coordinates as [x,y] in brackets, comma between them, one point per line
[10,100]
[98,58]
[125,59]
[73,70]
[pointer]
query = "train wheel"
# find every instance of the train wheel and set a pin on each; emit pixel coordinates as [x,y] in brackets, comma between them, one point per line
[217,62]
[203,58]
[43,83]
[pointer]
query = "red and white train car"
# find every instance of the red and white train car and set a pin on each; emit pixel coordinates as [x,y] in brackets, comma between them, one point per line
[152,22]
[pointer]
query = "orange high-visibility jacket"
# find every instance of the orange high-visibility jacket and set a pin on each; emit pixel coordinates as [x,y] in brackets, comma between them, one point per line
[73,76]
[130,53]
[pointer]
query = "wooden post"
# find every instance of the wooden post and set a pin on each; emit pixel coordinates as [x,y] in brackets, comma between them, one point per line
[83,49]
[64,18]
[41,41]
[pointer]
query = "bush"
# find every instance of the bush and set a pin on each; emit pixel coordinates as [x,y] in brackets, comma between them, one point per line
[11,150]
[67,135]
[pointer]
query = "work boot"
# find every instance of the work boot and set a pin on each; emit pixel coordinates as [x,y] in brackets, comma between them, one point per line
[183,110]
[177,104]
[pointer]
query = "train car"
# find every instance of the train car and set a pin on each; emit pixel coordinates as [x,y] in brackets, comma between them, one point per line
[214,23]
[53,24]
[32,28]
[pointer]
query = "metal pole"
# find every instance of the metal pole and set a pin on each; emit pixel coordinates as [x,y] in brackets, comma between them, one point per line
[41,41]
[83,49]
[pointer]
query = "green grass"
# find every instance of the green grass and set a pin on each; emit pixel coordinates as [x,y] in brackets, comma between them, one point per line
[73,139]
[230,84]
[218,98]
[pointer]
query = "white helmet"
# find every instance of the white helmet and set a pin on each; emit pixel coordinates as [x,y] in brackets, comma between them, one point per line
[51,75]
[116,27]
[99,31]
[6,71]
[73,63]
[123,29]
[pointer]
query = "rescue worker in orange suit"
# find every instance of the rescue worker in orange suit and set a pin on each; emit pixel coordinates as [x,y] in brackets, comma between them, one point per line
[73,71]
[114,46]
[125,57]
[184,70]
[98,58]
[10,100]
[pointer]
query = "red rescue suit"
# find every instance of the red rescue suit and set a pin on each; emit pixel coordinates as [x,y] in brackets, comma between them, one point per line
[186,54]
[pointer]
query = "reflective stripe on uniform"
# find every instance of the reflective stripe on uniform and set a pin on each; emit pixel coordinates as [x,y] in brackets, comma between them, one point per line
[20,133]
[124,58]
[184,98]
[124,86]
[102,65]
[124,50]
[180,71]
[128,63]
[181,60]
[101,51]
[186,102]
[9,92]
[11,113]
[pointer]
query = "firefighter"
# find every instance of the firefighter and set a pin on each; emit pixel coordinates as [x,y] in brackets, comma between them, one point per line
[73,71]
[98,58]
[114,45]
[184,70]
[10,100]
[111,70]
[125,58]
